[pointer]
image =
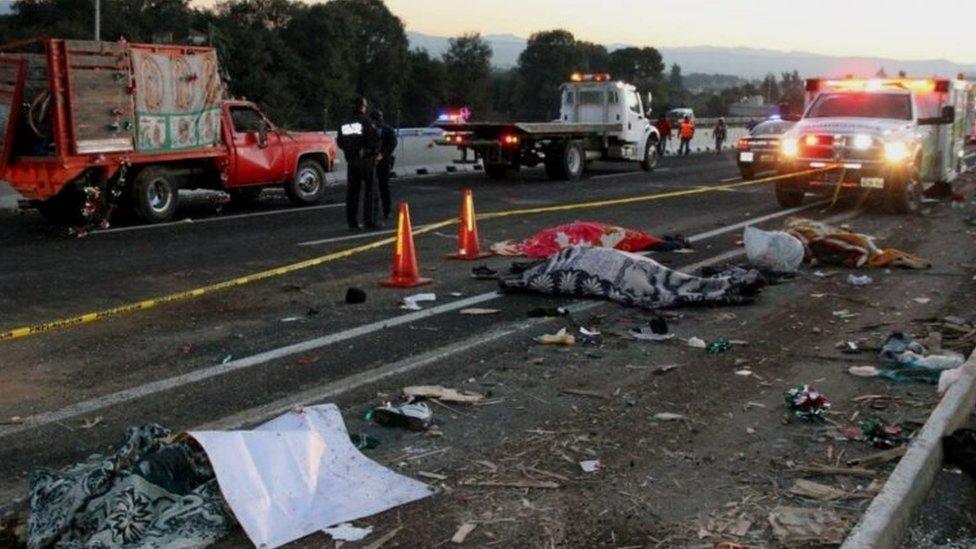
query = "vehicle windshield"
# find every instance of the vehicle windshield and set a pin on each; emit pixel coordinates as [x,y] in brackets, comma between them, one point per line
[895,106]
[771,128]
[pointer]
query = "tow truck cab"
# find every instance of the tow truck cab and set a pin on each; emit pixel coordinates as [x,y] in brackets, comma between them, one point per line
[596,99]
[884,137]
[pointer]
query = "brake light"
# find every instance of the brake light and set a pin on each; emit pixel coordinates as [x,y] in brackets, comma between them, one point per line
[509,140]
[743,145]
[812,140]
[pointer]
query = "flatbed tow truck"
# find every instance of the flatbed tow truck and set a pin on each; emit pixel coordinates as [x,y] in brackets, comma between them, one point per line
[599,119]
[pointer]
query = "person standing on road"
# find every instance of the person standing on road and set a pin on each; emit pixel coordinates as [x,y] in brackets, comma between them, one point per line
[388,145]
[686,131]
[664,130]
[360,142]
[721,133]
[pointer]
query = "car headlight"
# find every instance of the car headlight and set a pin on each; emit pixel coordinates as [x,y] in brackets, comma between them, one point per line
[861,142]
[790,147]
[896,151]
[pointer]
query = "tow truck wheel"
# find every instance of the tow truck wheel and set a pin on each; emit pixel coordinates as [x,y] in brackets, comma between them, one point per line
[567,161]
[905,194]
[155,195]
[788,196]
[308,185]
[650,155]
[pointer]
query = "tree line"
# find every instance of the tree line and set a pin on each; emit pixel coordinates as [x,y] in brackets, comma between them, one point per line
[305,63]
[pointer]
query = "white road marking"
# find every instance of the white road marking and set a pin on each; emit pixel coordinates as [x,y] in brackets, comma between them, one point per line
[127,395]
[219,218]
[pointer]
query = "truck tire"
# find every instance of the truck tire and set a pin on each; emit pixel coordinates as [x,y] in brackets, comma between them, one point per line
[501,171]
[155,195]
[904,195]
[308,185]
[565,161]
[650,155]
[787,195]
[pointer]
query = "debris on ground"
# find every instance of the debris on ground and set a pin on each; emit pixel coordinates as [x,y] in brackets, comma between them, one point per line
[960,450]
[281,482]
[815,490]
[828,245]
[443,393]
[562,337]
[477,311]
[909,360]
[484,272]
[364,441]
[807,403]
[697,343]
[151,491]
[881,435]
[859,280]
[412,302]
[355,295]
[412,415]
[348,532]
[797,526]
[656,330]
[551,241]
[631,280]
[590,465]
[776,251]
[463,532]
[864,371]
[718,346]
[669,416]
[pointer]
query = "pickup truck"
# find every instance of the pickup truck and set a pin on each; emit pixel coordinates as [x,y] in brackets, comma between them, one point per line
[884,137]
[137,123]
[599,119]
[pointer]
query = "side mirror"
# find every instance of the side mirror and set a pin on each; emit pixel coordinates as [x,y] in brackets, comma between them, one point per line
[650,100]
[263,135]
[947,116]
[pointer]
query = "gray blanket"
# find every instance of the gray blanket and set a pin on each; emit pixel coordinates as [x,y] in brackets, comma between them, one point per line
[632,280]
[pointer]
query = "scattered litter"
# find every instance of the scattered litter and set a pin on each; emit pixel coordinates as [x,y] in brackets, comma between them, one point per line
[550,241]
[669,416]
[718,347]
[443,393]
[415,416]
[432,476]
[849,347]
[355,295]
[879,458]
[632,280]
[281,482]
[815,490]
[348,532]
[922,300]
[776,252]
[590,465]
[364,441]
[89,423]
[484,272]
[559,338]
[797,526]
[226,359]
[883,435]
[590,332]
[845,314]
[697,343]
[656,330]
[908,360]
[863,280]
[292,319]
[743,373]
[412,303]
[960,450]
[807,403]
[475,311]
[463,532]
[864,371]
[547,312]
[661,370]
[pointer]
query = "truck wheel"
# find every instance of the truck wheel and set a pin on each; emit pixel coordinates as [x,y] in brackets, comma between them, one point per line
[308,185]
[904,195]
[788,196]
[650,155]
[567,161]
[501,171]
[155,195]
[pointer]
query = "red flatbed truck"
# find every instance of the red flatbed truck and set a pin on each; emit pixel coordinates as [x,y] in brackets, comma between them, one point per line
[138,122]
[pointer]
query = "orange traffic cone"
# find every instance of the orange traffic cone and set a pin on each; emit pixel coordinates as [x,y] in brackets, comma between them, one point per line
[406,273]
[469,247]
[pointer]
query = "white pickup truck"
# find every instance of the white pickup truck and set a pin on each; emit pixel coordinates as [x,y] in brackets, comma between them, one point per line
[599,119]
[884,137]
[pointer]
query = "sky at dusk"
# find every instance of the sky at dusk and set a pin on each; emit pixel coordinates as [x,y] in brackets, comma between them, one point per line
[903,29]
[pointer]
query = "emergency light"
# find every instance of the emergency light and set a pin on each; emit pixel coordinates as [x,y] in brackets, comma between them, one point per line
[916,85]
[597,77]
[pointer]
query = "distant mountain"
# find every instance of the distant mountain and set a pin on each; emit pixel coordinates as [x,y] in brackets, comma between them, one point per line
[749,63]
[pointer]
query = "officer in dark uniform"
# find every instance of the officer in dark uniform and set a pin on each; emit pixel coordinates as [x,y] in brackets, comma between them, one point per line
[388,145]
[360,141]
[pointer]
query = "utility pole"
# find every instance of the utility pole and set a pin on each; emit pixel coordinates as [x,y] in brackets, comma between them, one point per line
[98,20]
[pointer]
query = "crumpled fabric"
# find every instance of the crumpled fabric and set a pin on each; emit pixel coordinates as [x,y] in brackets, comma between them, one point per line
[909,360]
[553,240]
[829,245]
[151,493]
[631,280]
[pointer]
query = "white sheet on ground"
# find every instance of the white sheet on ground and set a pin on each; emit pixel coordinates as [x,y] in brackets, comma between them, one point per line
[299,474]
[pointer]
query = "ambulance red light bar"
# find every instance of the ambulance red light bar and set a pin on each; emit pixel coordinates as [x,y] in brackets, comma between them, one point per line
[597,77]
[916,85]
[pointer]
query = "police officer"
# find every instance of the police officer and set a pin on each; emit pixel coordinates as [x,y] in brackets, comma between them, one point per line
[388,145]
[360,141]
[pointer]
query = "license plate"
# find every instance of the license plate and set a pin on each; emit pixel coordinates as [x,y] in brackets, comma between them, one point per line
[746,157]
[766,158]
[872,182]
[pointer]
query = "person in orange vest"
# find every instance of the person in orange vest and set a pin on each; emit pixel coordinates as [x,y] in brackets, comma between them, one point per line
[686,131]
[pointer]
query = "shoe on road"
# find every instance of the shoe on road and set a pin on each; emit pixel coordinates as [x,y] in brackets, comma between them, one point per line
[415,416]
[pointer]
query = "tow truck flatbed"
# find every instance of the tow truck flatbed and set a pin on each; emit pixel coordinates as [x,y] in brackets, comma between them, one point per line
[536,129]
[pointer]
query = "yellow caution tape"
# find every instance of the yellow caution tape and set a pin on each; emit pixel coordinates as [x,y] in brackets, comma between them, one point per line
[143,305]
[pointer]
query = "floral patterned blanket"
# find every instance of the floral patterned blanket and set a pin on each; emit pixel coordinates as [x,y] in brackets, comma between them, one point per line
[151,493]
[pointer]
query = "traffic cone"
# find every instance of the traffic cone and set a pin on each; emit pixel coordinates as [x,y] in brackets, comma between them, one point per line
[406,273]
[469,247]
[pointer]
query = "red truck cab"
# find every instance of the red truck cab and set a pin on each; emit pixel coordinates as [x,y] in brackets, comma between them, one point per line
[80,115]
